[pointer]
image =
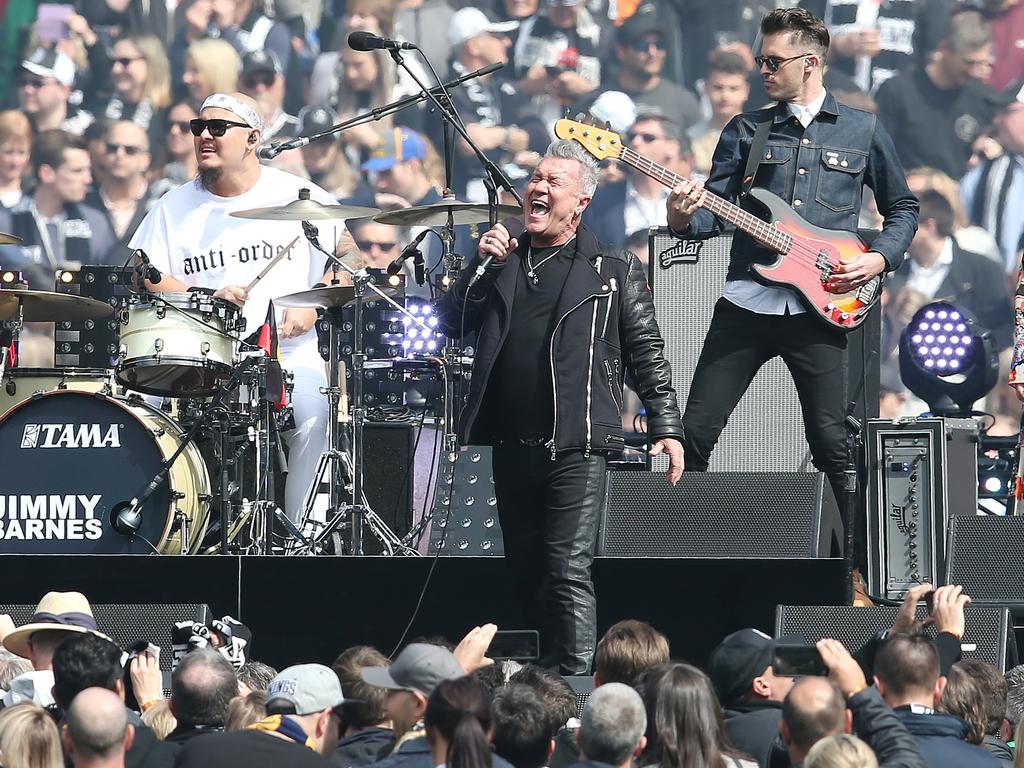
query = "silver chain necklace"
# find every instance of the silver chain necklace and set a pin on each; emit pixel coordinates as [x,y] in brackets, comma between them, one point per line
[532,272]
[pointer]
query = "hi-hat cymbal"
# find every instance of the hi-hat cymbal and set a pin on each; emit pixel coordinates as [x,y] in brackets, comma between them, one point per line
[329,297]
[436,214]
[6,239]
[47,306]
[306,210]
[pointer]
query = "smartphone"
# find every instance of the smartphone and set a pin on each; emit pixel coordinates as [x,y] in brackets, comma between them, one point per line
[798,660]
[515,644]
[51,21]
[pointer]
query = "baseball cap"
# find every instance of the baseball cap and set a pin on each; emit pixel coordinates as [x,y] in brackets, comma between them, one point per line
[49,62]
[469,22]
[316,118]
[644,21]
[1013,94]
[304,689]
[741,657]
[260,61]
[399,145]
[615,108]
[419,667]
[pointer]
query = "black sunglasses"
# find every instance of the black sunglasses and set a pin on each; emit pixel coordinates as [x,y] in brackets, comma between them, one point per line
[181,125]
[125,61]
[35,82]
[217,126]
[266,79]
[647,138]
[129,150]
[774,62]
[365,245]
[642,46]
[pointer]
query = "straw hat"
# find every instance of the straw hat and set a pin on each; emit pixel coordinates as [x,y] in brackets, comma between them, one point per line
[67,611]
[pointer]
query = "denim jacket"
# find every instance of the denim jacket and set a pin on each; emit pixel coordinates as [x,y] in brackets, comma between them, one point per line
[820,171]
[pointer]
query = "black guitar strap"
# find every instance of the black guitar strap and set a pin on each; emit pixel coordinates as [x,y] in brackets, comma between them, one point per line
[754,158]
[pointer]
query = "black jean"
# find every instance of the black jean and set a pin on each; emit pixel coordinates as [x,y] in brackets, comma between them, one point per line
[549,513]
[738,343]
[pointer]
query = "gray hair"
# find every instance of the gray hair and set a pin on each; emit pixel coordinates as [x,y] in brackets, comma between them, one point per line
[567,149]
[612,724]
[968,31]
[11,666]
[1015,694]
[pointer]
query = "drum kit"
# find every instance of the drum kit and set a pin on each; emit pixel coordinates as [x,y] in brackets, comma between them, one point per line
[173,448]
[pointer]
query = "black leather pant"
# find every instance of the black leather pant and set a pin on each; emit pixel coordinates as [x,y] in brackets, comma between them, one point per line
[549,513]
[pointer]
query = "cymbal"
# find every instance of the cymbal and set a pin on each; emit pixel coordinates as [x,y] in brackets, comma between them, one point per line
[48,306]
[329,297]
[436,214]
[306,210]
[6,239]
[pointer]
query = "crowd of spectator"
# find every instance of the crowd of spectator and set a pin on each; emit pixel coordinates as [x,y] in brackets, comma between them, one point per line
[99,95]
[907,698]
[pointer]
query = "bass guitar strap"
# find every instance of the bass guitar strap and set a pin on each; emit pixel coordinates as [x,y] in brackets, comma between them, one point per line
[754,157]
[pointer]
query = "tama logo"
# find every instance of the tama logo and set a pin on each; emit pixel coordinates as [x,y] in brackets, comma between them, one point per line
[686,252]
[71,436]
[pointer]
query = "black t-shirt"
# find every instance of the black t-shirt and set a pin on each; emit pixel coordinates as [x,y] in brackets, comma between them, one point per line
[932,127]
[519,397]
[251,749]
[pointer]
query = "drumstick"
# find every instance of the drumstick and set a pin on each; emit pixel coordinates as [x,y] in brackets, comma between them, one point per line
[273,262]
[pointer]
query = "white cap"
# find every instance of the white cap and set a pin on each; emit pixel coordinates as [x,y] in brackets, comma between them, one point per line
[467,23]
[615,108]
[51,63]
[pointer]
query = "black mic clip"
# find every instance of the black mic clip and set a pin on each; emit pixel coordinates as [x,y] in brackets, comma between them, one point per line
[144,267]
[412,250]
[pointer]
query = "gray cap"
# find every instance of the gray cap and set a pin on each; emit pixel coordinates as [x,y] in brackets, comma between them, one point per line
[303,690]
[419,667]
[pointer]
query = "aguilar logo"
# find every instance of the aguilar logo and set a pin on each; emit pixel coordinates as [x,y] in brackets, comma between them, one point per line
[686,252]
[71,436]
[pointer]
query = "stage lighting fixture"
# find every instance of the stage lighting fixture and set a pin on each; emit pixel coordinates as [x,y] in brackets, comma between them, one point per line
[417,340]
[947,359]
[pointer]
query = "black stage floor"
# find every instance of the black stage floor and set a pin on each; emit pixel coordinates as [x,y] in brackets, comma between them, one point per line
[309,609]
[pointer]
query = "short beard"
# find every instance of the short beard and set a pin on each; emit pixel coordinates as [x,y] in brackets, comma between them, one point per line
[207,178]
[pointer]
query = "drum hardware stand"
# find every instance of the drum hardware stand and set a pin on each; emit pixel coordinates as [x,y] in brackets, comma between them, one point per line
[126,516]
[336,462]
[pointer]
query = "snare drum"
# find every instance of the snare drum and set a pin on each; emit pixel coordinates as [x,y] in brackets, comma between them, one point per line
[20,384]
[70,457]
[179,344]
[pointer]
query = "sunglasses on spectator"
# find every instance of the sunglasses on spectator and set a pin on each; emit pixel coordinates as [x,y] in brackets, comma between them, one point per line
[125,61]
[266,79]
[180,125]
[217,126]
[35,82]
[366,245]
[130,150]
[642,46]
[646,138]
[772,63]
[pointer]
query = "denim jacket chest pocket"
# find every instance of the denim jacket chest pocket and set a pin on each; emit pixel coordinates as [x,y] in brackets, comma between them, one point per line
[840,178]
[773,170]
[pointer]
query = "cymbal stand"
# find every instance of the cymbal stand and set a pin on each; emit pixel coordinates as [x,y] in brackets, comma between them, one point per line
[335,461]
[10,330]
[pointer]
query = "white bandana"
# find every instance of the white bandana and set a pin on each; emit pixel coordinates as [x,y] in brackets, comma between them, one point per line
[235,106]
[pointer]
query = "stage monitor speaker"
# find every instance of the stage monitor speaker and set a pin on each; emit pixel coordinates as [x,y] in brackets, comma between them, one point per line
[988,635]
[720,514]
[465,500]
[127,624]
[984,556]
[389,477]
[765,432]
[582,686]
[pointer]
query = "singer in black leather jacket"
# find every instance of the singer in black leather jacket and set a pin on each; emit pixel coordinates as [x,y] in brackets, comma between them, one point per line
[559,319]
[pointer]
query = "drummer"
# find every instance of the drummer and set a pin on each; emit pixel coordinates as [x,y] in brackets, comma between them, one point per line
[192,241]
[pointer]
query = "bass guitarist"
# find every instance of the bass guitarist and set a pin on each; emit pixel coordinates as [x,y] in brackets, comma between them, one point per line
[816,155]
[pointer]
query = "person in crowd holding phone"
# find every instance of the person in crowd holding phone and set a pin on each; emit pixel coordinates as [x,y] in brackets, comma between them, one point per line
[559,318]
[192,239]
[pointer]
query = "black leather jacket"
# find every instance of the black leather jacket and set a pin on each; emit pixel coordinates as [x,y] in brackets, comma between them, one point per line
[605,322]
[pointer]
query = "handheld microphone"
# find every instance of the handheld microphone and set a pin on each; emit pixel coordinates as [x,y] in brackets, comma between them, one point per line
[410,250]
[361,40]
[515,229]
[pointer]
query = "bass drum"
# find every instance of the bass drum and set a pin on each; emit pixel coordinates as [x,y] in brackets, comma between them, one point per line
[22,383]
[68,458]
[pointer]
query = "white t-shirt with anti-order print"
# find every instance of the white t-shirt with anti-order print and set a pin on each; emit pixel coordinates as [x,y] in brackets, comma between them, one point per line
[190,236]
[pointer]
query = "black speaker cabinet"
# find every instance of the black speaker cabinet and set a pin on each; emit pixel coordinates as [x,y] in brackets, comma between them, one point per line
[985,555]
[765,432]
[720,514]
[988,635]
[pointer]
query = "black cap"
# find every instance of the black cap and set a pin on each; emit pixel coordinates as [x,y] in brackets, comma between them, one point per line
[1012,94]
[739,658]
[644,21]
[316,118]
[261,61]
